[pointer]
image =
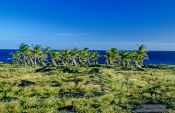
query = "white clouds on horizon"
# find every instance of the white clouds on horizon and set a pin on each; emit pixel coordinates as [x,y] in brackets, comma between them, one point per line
[70,34]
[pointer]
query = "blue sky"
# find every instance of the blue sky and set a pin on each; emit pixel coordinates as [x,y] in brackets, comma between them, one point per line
[97,24]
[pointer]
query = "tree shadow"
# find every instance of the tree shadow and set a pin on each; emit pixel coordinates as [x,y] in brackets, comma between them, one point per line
[25,83]
[66,109]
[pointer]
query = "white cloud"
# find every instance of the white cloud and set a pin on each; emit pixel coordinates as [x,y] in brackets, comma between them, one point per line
[70,34]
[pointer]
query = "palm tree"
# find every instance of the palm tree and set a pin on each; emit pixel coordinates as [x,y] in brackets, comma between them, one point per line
[112,55]
[84,57]
[46,49]
[94,56]
[126,58]
[136,59]
[66,55]
[74,55]
[54,55]
[142,48]
[43,55]
[16,57]
[29,56]
[22,53]
[36,52]
[142,55]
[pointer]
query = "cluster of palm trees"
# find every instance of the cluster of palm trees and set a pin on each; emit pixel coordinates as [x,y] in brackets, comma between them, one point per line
[31,56]
[35,55]
[127,58]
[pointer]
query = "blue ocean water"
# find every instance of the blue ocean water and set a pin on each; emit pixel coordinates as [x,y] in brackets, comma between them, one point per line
[155,57]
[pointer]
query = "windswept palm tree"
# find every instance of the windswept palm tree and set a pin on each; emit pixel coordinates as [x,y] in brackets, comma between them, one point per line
[46,49]
[136,59]
[112,55]
[66,56]
[22,53]
[74,56]
[126,58]
[142,48]
[41,57]
[84,57]
[94,56]
[55,55]
[16,57]
[36,52]
[29,56]
[142,55]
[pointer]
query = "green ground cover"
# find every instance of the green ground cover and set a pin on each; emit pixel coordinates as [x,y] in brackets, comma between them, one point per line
[68,89]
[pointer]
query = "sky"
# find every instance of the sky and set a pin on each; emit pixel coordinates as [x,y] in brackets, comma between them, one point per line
[96,24]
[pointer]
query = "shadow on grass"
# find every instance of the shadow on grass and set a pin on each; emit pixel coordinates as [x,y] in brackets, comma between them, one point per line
[25,83]
[65,69]
[7,99]
[55,84]
[79,94]
[66,109]
[75,94]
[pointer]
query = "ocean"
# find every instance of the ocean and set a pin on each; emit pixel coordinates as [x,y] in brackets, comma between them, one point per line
[155,57]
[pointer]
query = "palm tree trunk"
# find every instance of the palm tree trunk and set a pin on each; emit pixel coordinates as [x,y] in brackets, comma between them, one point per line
[54,63]
[74,62]
[127,64]
[31,62]
[64,63]
[35,61]
[111,62]
[107,62]
[80,62]
[140,65]
[43,63]
[25,61]
[87,62]
[28,62]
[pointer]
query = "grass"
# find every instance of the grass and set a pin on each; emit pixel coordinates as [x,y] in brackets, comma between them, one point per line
[84,90]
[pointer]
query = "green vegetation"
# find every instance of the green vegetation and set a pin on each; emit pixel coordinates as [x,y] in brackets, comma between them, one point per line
[74,81]
[66,89]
